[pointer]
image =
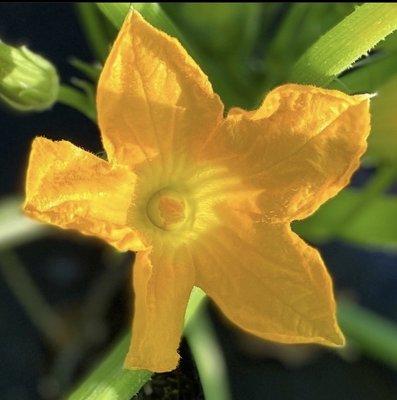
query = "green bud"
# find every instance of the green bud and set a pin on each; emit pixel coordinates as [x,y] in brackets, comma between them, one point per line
[28,82]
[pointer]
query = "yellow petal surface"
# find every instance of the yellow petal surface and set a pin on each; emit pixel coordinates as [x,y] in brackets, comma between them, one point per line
[71,188]
[267,281]
[297,150]
[162,282]
[153,100]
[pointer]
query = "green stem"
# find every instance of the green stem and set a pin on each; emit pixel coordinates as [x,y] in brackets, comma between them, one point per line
[29,296]
[77,100]
[110,380]
[208,357]
[90,19]
[91,71]
[374,335]
[352,38]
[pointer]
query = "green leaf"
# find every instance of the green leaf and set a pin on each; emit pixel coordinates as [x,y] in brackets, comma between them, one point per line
[315,21]
[352,38]
[370,77]
[109,381]
[115,12]
[152,12]
[214,31]
[93,26]
[237,23]
[311,22]
[390,44]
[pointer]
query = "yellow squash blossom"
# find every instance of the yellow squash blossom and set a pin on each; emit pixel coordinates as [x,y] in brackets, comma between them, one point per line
[204,199]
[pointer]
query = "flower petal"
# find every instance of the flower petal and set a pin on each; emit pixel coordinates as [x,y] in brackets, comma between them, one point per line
[163,281]
[268,281]
[297,150]
[71,188]
[152,98]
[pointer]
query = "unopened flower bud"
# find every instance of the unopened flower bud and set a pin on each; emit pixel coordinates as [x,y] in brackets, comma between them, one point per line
[28,82]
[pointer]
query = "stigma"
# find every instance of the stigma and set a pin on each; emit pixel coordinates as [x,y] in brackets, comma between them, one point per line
[167,209]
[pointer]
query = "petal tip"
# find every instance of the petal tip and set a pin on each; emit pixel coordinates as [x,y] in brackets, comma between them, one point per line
[134,15]
[137,363]
[369,96]
[334,339]
[364,97]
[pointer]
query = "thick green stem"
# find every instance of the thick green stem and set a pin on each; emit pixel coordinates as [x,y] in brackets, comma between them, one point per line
[77,100]
[208,357]
[109,380]
[352,38]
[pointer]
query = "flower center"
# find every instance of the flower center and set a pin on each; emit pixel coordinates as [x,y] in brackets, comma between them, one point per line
[167,209]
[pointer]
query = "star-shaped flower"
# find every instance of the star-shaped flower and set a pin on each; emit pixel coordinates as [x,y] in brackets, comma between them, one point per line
[204,199]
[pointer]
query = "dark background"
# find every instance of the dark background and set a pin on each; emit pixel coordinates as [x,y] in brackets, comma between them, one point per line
[66,267]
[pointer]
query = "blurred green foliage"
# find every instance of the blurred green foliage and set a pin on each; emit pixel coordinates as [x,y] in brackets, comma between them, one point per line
[371,227]
[383,141]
